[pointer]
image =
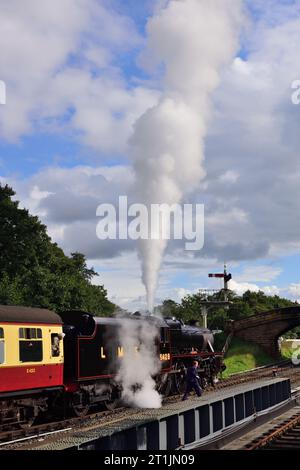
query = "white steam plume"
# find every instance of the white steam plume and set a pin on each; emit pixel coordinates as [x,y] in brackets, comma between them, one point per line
[193,40]
[139,364]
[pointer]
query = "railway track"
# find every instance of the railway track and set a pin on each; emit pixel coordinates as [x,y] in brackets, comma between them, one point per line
[9,438]
[285,436]
[16,437]
[282,369]
[289,440]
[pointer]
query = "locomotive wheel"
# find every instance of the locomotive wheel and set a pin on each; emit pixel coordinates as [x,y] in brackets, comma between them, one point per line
[28,418]
[180,378]
[163,384]
[114,401]
[80,403]
[112,404]
[203,383]
[180,383]
[28,423]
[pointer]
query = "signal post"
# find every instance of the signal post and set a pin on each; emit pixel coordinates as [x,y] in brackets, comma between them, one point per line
[206,304]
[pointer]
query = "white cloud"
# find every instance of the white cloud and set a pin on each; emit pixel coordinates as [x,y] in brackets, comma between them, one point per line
[255,132]
[251,189]
[227,217]
[272,290]
[259,274]
[230,176]
[241,287]
[294,290]
[66,200]
[121,276]
[58,60]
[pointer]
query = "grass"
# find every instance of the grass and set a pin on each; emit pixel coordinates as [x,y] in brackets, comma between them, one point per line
[287,353]
[289,349]
[243,356]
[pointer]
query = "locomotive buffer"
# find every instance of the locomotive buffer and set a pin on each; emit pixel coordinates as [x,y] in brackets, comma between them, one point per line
[206,304]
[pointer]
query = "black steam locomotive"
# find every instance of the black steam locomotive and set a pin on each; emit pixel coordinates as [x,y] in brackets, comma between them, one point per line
[188,343]
[71,361]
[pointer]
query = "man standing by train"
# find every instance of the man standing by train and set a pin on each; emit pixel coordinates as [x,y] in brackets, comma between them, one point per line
[192,381]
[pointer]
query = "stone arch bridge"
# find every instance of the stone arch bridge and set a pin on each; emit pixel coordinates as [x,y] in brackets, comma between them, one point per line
[265,328]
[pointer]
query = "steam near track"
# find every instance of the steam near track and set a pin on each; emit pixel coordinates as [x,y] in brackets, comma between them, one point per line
[139,364]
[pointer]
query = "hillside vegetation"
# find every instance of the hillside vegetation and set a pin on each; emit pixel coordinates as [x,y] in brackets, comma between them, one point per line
[243,356]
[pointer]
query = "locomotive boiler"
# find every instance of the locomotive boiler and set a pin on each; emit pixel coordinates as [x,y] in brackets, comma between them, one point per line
[185,338]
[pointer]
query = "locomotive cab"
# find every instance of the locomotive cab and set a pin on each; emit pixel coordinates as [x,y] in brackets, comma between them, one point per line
[83,322]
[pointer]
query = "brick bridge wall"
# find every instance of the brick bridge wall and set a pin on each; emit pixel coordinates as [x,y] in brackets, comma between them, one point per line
[265,328]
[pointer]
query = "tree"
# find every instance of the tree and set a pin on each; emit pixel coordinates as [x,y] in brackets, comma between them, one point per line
[169,308]
[36,272]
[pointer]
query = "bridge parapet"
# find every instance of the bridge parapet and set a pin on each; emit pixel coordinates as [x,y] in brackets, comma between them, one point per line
[265,328]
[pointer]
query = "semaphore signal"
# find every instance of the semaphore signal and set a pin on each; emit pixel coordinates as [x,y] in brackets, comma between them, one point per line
[226,276]
[206,304]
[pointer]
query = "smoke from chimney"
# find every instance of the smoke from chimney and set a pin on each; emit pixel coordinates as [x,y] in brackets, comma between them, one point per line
[191,41]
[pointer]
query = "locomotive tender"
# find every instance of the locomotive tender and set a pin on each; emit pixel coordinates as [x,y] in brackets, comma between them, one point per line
[51,362]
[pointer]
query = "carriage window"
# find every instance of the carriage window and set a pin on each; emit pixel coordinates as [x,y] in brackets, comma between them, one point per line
[55,347]
[30,333]
[1,346]
[30,344]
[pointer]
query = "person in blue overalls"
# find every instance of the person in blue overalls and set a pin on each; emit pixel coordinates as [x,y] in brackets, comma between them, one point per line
[192,381]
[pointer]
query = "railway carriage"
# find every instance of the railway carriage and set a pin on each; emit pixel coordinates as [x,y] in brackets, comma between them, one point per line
[31,361]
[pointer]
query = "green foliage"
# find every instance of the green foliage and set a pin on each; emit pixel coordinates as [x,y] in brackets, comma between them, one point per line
[169,308]
[290,349]
[36,272]
[293,334]
[243,356]
[287,353]
[189,308]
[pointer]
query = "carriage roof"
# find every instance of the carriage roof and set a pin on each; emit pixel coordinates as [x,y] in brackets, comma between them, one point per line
[16,314]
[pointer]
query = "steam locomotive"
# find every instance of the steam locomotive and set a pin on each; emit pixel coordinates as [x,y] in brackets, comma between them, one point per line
[51,362]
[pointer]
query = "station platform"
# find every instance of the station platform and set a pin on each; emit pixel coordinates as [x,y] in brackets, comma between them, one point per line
[180,425]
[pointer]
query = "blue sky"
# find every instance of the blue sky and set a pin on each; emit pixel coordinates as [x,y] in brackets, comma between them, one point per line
[75,88]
